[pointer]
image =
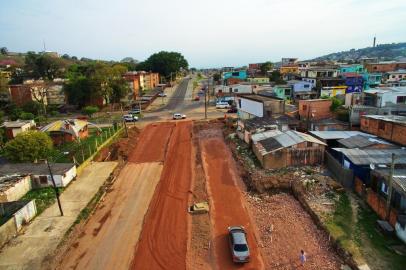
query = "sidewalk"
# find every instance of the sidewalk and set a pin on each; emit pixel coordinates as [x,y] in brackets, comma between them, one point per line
[161,101]
[41,237]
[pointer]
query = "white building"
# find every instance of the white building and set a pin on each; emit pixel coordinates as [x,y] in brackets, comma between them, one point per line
[250,106]
[15,127]
[63,173]
[235,89]
[385,96]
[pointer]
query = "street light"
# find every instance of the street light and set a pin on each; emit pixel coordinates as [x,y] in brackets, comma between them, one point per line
[55,188]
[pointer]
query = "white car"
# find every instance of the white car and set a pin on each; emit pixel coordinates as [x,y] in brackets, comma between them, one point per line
[130,118]
[177,116]
[222,105]
[162,94]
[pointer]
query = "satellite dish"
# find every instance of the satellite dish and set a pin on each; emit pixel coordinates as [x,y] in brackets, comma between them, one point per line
[372,166]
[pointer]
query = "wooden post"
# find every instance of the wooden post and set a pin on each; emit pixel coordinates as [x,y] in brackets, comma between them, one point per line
[389,198]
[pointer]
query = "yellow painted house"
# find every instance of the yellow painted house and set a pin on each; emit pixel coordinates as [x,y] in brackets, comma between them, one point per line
[332,91]
[289,69]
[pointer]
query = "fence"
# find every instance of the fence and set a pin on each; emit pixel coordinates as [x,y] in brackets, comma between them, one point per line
[342,175]
[79,151]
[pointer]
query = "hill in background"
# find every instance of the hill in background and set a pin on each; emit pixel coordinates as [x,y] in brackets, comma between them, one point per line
[386,52]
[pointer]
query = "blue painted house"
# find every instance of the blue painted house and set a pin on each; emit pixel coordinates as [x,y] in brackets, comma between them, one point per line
[240,74]
[355,68]
[371,80]
[354,82]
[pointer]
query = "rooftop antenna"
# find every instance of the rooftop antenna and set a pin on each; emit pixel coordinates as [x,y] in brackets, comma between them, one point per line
[43,41]
[374,41]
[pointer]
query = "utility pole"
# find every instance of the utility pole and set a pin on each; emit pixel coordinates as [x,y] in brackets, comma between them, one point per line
[389,198]
[125,124]
[205,101]
[55,188]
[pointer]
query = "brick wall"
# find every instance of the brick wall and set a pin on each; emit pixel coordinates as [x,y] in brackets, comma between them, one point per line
[20,94]
[387,130]
[359,186]
[378,204]
[399,134]
[316,110]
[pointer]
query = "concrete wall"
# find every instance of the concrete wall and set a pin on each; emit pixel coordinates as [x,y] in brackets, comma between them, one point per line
[7,231]
[18,190]
[11,227]
[252,107]
[25,214]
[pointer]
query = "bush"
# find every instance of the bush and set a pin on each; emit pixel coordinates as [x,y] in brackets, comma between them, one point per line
[27,116]
[335,104]
[90,110]
[53,113]
[32,107]
[39,119]
[15,114]
[28,146]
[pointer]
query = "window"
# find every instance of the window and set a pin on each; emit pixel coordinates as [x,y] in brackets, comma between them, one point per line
[239,103]
[381,125]
[287,92]
[304,107]
[236,90]
[384,188]
[401,99]
[43,179]
[235,74]
[306,86]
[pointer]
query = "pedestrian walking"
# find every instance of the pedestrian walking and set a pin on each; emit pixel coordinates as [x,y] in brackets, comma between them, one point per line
[302,258]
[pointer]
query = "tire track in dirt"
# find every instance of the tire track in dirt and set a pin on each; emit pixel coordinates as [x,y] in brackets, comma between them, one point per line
[152,143]
[226,201]
[163,241]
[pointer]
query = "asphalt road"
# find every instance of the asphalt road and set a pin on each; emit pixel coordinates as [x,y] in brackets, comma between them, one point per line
[177,98]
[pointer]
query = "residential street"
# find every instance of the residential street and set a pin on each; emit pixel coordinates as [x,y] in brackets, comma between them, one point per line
[39,241]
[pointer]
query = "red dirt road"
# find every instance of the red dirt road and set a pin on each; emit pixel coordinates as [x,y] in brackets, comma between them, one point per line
[226,201]
[163,241]
[152,144]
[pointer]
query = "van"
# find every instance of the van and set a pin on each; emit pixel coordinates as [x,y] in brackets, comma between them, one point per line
[222,105]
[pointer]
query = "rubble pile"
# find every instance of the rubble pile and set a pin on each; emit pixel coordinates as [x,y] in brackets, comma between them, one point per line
[285,228]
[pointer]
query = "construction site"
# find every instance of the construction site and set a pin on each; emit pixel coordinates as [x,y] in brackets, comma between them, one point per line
[143,221]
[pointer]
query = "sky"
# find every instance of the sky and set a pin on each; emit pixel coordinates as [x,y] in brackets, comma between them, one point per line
[209,33]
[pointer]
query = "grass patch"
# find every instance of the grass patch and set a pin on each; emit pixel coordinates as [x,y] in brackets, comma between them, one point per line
[80,151]
[356,232]
[44,197]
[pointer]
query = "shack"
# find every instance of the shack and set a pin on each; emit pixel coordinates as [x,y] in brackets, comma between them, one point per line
[280,149]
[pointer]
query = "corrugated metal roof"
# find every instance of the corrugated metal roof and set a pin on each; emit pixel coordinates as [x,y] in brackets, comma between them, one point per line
[360,141]
[334,135]
[264,135]
[373,156]
[277,140]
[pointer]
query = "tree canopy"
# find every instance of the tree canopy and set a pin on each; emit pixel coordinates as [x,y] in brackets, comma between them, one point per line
[164,63]
[95,79]
[43,66]
[28,146]
[265,67]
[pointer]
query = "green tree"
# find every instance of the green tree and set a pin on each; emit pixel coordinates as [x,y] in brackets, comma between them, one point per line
[216,77]
[335,103]
[90,110]
[28,146]
[277,77]
[265,67]
[43,66]
[3,50]
[165,63]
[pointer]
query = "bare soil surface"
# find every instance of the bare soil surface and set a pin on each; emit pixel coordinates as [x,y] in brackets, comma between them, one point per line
[199,256]
[286,228]
[152,143]
[105,242]
[228,205]
[164,238]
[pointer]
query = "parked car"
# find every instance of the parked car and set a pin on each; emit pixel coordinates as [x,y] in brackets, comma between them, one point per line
[238,244]
[222,105]
[197,98]
[130,118]
[177,116]
[162,94]
[232,110]
[135,111]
